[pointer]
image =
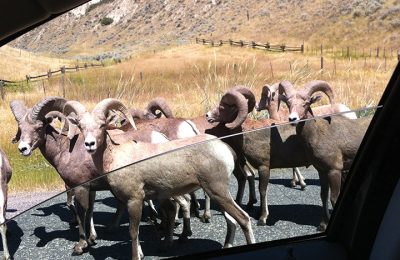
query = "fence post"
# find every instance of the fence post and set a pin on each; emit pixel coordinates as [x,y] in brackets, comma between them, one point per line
[230,42]
[321,50]
[348,51]
[62,69]
[204,41]
[241,43]
[302,48]
[28,78]
[322,64]
[197,41]
[49,73]
[141,76]
[253,44]
[77,67]
[220,43]
[2,89]
[283,48]
[377,52]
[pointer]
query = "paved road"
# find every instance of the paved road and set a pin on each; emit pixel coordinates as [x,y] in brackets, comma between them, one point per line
[44,232]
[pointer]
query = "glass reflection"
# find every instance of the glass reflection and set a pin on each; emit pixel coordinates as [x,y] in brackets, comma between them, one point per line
[45,231]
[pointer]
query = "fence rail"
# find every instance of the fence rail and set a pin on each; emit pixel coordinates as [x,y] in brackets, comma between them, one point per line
[49,74]
[252,44]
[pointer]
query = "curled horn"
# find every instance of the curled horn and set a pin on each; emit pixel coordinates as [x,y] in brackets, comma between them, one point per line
[233,97]
[159,103]
[248,94]
[60,116]
[76,110]
[265,100]
[137,113]
[102,109]
[287,88]
[315,86]
[40,110]
[18,109]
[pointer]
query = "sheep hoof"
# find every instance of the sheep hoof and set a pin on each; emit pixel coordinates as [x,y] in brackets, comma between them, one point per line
[78,248]
[205,219]
[183,238]
[321,227]
[92,241]
[303,187]
[7,257]
[262,222]
[293,184]
[73,222]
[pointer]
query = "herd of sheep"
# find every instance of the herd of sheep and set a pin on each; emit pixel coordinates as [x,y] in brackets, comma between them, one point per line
[112,136]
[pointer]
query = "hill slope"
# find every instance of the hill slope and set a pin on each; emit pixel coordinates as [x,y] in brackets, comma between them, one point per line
[122,27]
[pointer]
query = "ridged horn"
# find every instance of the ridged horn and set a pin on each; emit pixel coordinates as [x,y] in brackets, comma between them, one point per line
[18,109]
[287,88]
[315,86]
[248,94]
[233,97]
[137,113]
[265,99]
[161,104]
[103,107]
[75,109]
[46,105]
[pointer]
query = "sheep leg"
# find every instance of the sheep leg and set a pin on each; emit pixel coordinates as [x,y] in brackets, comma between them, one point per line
[70,193]
[323,177]
[335,180]
[264,174]
[232,212]
[92,234]
[241,179]
[135,206]
[117,217]
[169,210]
[298,178]
[185,205]
[194,204]
[82,205]
[3,226]
[250,173]
[207,213]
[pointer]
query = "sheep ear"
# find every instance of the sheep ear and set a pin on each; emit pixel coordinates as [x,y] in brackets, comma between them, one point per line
[73,126]
[315,98]
[17,137]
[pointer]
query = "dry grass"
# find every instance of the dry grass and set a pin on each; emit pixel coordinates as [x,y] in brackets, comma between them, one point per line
[192,79]
[15,64]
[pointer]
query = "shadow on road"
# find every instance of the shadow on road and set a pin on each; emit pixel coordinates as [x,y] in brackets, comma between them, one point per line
[14,237]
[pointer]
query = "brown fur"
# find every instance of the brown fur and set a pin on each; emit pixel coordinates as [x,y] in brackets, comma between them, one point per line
[5,176]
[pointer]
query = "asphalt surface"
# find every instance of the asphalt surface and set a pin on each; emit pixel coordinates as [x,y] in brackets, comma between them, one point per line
[44,231]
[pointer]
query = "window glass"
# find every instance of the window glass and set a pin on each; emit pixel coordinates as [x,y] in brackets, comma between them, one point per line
[138,52]
[45,230]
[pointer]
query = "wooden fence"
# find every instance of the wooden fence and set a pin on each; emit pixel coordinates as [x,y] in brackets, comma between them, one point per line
[252,44]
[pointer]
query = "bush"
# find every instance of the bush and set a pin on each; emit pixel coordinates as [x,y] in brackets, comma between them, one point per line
[106,21]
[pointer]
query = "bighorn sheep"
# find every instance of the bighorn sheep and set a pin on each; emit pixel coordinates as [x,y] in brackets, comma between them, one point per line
[270,101]
[177,128]
[68,157]
[5,176]
[157,104]
[211,163]
[331,143]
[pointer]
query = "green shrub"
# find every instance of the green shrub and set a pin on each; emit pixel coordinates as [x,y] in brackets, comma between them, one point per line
[106,21]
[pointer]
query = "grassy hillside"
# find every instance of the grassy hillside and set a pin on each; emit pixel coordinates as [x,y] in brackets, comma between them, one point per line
[119,28]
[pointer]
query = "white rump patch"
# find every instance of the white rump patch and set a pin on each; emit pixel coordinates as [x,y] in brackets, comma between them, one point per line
[222,152]
[158,138]
[344,108]
[186,129]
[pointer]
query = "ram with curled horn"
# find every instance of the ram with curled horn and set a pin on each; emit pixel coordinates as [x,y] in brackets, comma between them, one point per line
[134,184]
[330,142]
[64,150]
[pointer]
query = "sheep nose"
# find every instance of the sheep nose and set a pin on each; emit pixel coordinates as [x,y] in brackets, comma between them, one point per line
[291,119]
[90,144]
[22,149]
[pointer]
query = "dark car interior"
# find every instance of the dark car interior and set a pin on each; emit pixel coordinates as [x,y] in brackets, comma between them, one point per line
[364,224]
